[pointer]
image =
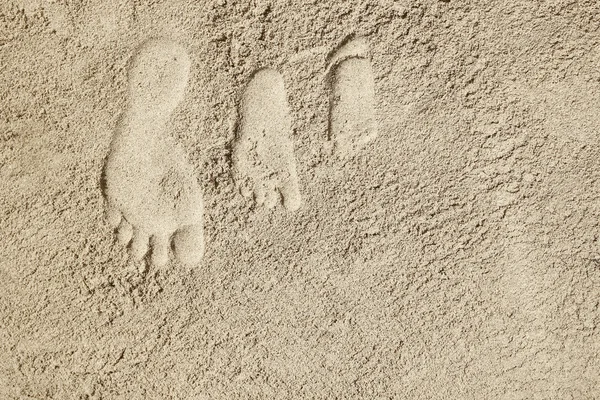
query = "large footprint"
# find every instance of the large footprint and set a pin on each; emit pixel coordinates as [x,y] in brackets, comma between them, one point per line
[352,122]
[150,188]
[263,157]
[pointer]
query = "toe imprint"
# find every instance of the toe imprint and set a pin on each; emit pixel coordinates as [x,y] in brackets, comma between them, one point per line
[189,243]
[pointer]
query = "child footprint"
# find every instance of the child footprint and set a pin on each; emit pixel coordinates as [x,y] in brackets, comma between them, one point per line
[263,157]
[152,195]
[352,122]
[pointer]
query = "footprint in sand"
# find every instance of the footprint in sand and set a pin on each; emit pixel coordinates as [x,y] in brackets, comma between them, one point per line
[153,197]
[352,122]
[263,156]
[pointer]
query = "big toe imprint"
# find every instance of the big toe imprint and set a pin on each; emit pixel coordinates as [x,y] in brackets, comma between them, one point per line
[153,198]
[263,156]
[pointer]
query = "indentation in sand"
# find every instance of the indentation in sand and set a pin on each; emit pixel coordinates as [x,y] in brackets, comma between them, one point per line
[352,122]
[151,192]
[263,158]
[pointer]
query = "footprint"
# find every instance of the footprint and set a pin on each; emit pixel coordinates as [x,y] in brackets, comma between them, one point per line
[352,122]
[152,195]
[522,283]
[263,156]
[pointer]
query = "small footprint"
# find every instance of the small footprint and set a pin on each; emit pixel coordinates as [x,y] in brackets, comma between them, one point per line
[263,156]
[352,122]
[152,195]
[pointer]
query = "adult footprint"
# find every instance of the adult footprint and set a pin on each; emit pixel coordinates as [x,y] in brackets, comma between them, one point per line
[150,188]
[352,122]
[263,156]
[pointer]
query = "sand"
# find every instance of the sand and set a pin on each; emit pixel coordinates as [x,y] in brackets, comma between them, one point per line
[299,199]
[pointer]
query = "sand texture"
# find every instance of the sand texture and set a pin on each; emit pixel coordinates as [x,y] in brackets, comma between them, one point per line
[281,199]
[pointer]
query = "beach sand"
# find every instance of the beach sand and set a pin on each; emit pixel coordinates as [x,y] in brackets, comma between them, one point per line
[299,199]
